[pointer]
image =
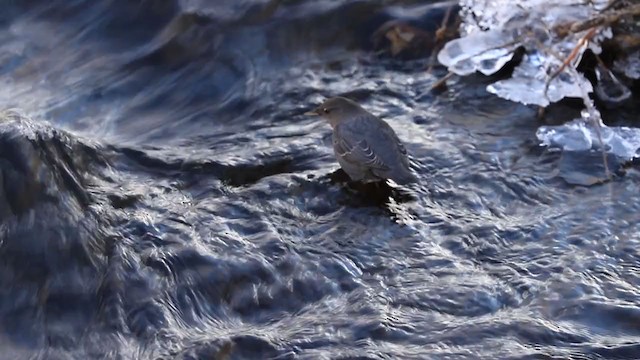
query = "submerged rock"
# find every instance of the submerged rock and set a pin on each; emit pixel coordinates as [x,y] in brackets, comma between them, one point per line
[48,227]
[587,168]
[38,166]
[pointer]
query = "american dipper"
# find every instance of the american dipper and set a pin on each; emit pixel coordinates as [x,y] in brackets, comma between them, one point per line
[366,147]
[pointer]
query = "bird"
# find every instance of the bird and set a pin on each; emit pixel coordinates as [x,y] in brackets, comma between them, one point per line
[366,147]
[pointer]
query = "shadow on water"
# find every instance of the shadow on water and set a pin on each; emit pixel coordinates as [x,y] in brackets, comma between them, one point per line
[166,198]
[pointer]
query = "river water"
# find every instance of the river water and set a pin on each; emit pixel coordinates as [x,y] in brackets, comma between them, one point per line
[164,197]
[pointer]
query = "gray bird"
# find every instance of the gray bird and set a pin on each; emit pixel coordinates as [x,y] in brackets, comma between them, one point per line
[366,147]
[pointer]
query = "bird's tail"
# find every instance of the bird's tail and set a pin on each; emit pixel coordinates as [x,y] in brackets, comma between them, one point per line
[404,178]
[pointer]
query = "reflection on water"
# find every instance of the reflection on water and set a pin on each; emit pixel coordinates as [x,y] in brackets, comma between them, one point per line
[166,198]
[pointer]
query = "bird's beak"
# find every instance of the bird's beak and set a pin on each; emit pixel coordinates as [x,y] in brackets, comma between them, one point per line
[313,112]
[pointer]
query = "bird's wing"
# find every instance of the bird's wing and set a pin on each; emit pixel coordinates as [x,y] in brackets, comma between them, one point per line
[387,130]
[401,147]
[358,152]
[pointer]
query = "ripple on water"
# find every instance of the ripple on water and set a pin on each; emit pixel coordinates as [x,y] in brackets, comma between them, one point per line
[191,211]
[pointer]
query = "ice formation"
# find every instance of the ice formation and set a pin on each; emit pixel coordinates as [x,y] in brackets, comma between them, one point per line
[589,133]
[492,29]
[630,65]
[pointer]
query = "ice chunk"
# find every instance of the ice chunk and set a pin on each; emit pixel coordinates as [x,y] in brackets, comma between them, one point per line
[485,51]
[630,66]
[528,83]
[582,135]
[609,88]
[573,136]
[479,15]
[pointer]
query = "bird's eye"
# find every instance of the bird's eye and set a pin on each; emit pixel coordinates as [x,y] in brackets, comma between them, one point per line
[325,110]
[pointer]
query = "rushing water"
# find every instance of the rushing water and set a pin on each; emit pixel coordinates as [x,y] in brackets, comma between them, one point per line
[164,197]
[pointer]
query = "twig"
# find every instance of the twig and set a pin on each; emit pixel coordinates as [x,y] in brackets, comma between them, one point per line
[440,37]
[441,82]
[540,113]
[583,41]
[443,25]
[585,96]
[588,103]
[596,124]
[605,19]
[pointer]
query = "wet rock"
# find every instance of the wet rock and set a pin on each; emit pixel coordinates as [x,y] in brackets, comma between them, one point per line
[249,346]
[50,239]
[416,31]
[122,201]
[214,350]
[35,167]
[404,39]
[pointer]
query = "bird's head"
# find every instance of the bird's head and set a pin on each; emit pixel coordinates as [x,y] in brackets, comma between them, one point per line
[336,109]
